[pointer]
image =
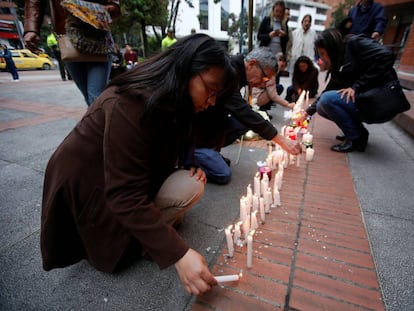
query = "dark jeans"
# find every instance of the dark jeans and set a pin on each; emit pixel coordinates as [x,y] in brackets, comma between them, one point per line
[211,161]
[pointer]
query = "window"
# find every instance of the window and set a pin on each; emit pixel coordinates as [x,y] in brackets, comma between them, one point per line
[203,17]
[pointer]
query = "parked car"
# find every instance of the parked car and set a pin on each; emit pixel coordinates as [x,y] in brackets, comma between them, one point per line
[24,59]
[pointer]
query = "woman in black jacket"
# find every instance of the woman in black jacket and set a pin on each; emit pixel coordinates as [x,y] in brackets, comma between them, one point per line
[356,64]
[273,30]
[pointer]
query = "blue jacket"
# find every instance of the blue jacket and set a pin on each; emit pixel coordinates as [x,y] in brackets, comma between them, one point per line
[372,19]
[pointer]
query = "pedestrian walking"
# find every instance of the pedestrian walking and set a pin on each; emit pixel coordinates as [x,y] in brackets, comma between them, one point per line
[10,65]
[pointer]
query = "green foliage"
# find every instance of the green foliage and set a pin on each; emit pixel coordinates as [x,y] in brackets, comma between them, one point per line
[341,12]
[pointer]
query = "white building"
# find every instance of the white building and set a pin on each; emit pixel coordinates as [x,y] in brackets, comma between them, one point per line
[210,18]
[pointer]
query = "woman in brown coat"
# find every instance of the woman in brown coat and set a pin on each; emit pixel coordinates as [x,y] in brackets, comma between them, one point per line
[115,186]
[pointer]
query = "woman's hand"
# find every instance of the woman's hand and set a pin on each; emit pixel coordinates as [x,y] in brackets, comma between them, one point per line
[291,146]
[194,273]
[198,173]
[349,93]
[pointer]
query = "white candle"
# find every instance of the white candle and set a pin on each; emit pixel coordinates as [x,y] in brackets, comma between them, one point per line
[227,278]
[229,240]
[255,201]
[276,197]
[237,232]
[262,210]
[246,228]
[253,221]
[256,185]
[250,250]
[309,154]
[264,184]
[243,209]
[307,138]
[268,201]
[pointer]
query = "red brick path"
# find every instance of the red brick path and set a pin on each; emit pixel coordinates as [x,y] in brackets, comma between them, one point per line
[312,253]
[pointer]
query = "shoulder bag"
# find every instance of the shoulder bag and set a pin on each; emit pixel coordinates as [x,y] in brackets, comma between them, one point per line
[382,104]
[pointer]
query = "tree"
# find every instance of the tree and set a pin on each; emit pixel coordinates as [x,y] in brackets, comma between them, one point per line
[341,12]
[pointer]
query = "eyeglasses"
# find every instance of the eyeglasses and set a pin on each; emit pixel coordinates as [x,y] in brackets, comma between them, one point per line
[210,91]
[265,78]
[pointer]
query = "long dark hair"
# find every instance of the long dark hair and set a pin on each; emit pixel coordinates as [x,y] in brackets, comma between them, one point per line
[166,75]
[331,40]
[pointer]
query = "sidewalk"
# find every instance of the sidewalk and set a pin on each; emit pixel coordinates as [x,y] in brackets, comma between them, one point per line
[342,239]
[313,252]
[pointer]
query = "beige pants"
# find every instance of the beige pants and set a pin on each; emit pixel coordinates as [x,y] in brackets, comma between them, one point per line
[177,195]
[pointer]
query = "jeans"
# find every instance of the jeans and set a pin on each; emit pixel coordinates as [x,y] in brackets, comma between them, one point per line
[332,107]
[90,77]
[211,161]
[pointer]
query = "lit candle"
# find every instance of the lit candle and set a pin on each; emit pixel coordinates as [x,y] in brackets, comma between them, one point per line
[229,240]
[227,278]
[250,250]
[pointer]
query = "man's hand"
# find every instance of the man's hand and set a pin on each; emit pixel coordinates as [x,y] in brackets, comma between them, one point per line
[291,146]
[194,273]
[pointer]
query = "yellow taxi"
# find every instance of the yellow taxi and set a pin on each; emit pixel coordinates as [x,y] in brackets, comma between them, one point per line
[24,59]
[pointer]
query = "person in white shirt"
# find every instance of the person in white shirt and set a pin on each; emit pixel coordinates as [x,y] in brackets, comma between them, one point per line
[302,42]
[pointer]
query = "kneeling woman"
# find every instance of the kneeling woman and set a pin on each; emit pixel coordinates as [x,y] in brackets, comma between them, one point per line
[355,64]
[114,188]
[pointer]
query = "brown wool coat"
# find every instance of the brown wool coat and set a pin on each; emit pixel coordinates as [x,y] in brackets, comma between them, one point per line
[99,185]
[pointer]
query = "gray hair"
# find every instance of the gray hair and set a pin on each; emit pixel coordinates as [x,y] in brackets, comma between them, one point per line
[264,56]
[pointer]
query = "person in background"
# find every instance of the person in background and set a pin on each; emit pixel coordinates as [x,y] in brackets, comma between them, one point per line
[282,65]
[235,117]
[355,64]
[10,65]
[90,77]
[269,95]
[131,58]
[168,40]
[305,77]
[118,66]
[52,44]
[273,29]
[302,42]
[345,26]
[368,17]
[128,187]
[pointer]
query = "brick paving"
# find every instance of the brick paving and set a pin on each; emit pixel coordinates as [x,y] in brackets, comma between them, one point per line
[313,252]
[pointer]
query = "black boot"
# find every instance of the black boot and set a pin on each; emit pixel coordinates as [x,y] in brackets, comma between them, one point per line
[358,144]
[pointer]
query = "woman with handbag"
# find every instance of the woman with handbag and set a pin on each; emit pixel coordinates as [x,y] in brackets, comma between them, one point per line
[133,177]
[358,66]
[90,66]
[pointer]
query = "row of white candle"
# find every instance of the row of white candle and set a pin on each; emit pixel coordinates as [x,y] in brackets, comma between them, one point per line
[261,198]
